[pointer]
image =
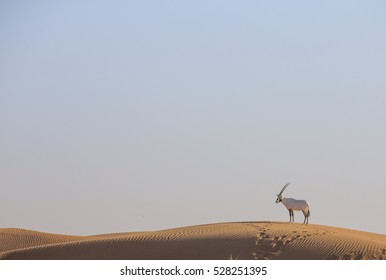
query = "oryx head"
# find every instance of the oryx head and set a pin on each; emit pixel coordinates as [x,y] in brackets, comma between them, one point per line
[279,197]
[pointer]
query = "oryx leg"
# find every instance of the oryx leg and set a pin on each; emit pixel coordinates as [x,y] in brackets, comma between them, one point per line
[305,216]
[291,213]
[308,214]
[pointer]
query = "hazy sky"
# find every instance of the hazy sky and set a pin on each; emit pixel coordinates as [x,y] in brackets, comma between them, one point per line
[123,116]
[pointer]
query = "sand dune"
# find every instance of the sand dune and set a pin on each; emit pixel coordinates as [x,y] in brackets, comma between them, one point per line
[243,240]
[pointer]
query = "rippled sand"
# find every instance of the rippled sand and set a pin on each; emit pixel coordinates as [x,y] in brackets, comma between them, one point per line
[241,240]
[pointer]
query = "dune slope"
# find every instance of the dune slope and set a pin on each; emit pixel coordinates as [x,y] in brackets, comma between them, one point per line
[243,240]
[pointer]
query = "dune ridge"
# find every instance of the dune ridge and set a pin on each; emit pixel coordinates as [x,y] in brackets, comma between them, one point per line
[235,240]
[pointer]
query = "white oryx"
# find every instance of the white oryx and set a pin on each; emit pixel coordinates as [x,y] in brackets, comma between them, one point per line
[294,205]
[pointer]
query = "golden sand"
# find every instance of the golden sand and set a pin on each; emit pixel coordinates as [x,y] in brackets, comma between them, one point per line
[242,240]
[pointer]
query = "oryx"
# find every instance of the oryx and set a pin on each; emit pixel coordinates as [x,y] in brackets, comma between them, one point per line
[294,205]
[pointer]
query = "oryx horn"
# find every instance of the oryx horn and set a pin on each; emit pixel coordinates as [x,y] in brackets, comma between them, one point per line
[282,190]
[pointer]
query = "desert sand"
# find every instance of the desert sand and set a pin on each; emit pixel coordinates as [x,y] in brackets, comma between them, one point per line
[237,240]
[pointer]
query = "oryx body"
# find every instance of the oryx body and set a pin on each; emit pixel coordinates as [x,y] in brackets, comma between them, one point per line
[294,205]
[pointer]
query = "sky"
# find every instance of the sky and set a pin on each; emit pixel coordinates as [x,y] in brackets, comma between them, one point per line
[120,116]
